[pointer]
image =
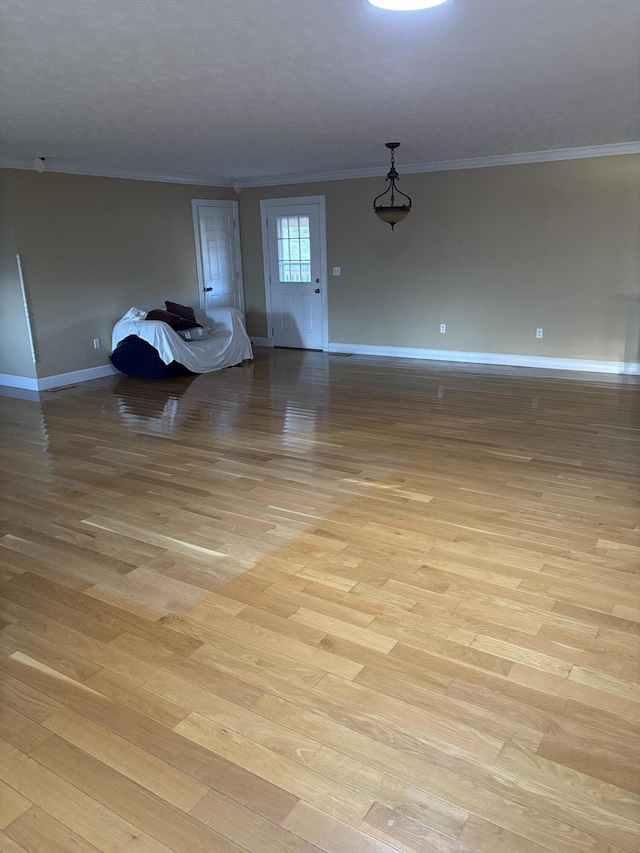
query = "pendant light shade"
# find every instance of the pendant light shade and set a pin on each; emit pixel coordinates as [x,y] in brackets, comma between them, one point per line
[386,208]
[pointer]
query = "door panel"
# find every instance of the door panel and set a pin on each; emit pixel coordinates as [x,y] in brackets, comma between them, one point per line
[295,272]
[217,245]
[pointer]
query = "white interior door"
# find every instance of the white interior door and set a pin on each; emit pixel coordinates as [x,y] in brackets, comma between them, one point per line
[217,239]
[295,271]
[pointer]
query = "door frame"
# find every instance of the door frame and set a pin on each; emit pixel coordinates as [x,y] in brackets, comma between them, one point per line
[271,205]
[226,205]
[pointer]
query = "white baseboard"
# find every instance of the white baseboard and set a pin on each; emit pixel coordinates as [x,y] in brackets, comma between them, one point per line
[260,342]
[24,382]
[587,365]
[48,382]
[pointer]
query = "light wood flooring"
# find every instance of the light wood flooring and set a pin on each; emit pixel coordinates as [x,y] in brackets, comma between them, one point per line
[322,603]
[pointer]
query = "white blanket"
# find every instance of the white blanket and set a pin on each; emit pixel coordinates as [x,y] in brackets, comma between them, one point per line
[227,344]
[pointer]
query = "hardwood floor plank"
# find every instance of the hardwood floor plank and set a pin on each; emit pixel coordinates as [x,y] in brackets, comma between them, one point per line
[569,688]
[113,620]
[219,650]
[37,830]
[515,653]
[276,769]
[83,814]
[9,845]
[157,776]
[282,626]
[485,837]
[46,606]
[597,744]
[246,828]
[489,785]
[380,606]
[263,638]
[159,741]
[126,691]
[27,700]
[442,729]
[358,604]
[467,710]
[614,807]
[606,682]
[408,834]
[404,674]
[354,633]
[411,800]
[330,834]
[57,657]
[12,805]
[152,815]
[19,730]
[457,663]
[536,711]
[341,612]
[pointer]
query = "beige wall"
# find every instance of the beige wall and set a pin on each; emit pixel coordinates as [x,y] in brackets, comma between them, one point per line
[15,349]
[93,247]
[493,253]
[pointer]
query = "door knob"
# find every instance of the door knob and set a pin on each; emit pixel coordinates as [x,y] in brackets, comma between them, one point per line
[317,290]
[208,289]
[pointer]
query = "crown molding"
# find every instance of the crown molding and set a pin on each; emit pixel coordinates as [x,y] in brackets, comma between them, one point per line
[452,165]
[238,184]
[127,174]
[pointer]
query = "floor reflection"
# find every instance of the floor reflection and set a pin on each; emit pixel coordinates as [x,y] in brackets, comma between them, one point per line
[24,439]
[166,408]
[158,408]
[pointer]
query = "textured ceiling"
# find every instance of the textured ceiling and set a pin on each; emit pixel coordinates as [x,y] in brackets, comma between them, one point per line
[240,89]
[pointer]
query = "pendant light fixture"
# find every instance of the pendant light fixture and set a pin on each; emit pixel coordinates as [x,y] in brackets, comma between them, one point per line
[392,213]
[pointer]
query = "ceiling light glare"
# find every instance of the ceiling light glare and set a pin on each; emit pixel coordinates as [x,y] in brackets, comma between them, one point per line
[406,5]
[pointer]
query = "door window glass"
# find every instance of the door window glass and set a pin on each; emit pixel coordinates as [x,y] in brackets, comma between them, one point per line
[294,249]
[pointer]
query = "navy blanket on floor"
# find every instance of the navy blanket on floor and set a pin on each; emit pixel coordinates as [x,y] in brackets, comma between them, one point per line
[136,357]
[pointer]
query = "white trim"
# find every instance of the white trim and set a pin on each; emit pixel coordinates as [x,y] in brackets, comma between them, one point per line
[59,379]
[126,174]
[587,365]
[225,204]
[265,205]
[27,313]
[48,382]
[8,380]
[261,342]
[452,165]
[548,156]
[510,360]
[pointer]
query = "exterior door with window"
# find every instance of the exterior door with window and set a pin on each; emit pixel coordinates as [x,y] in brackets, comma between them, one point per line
[295,271]
[215,226]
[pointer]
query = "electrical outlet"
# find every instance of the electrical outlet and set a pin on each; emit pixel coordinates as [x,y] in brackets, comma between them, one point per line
[443,328]
[337,270]
[96,343]
[539,333]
